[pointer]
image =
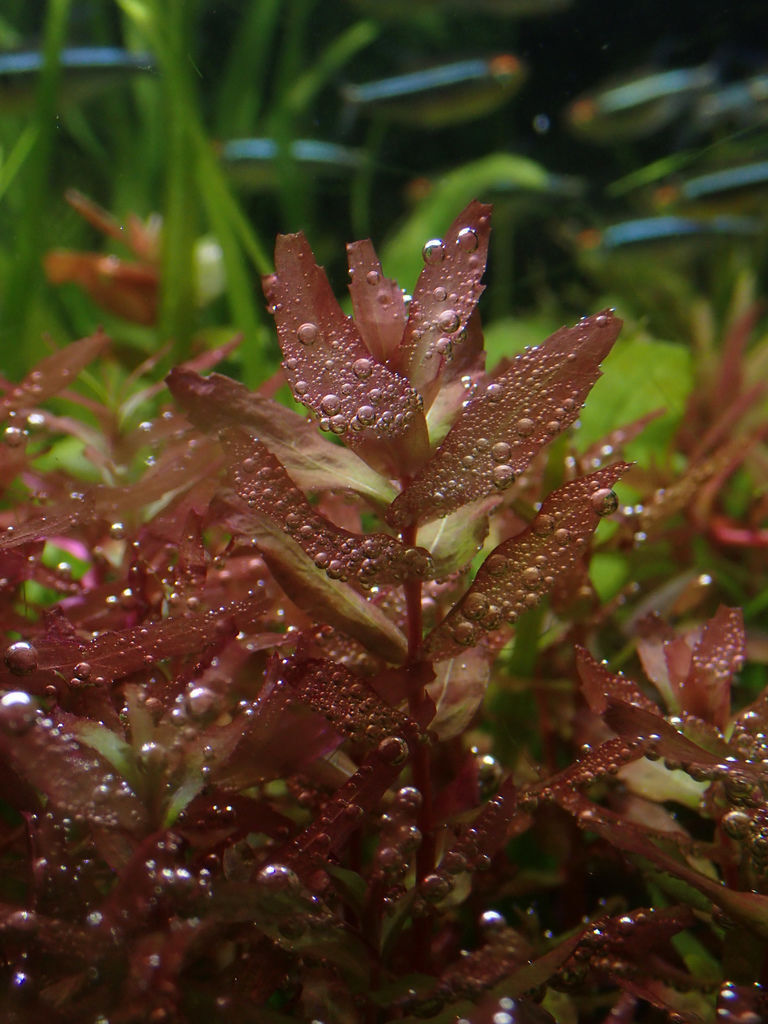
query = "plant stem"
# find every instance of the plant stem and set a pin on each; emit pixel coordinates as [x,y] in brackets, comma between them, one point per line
[421,764]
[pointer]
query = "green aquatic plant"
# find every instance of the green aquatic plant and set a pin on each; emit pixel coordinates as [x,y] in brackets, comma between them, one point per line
[289,722]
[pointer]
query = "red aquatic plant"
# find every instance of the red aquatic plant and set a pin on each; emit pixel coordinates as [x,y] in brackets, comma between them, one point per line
[242,765]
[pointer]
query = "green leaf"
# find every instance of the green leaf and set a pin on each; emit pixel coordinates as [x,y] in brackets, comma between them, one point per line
[111,747]
[640,374]
[458,692]
[454,540]
[326,600]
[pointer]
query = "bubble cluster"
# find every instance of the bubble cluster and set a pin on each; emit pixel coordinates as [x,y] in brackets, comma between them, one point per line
[524,408]
[353,708]
[260,479]
[327,363]
[518,573]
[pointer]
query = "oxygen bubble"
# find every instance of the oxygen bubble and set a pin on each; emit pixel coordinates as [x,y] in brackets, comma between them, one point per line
[82,671]
[21,658]
[448,321]
[409,797]
[393,750]
[13,436]
[562,536]
[366,414]
[443,346]
[433,251]
[736,824]
[464,634]
[117,531]
[497,565]
[307,333]
[440,293]
[500,451]
[373,277]
[604,501]
[200,700]
[475,606]
[468,240]
[330,404]
[543,524]
[362,368]
[494,392]
[435,888]
[525,427]
[17,712]
[278,877]
[491,922]
[502,476]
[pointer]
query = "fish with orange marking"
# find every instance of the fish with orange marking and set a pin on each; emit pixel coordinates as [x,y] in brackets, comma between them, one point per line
[640,105]
[439,96]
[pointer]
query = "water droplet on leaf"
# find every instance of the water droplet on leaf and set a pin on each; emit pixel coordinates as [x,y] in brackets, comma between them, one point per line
[604,501]
[433,251]
[468,240]
[21,658]
[307,333]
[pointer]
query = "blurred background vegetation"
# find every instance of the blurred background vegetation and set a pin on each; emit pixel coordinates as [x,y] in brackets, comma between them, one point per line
[156,139]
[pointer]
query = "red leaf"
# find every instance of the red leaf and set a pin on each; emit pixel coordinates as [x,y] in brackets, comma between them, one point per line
[53,374]
[114,655]
[521,570]
[342,813]
[444,298]
[260,479]
[715,659]
[748,909]
[501,430]
[598,684]
[378,302]
[216,402]
[325,600]
[179,466]
[348,702]
[331,371]
[278,739]
[75,779]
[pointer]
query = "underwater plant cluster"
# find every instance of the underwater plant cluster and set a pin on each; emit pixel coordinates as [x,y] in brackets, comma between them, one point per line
[312,724]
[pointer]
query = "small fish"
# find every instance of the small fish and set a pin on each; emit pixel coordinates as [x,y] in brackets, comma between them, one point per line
[444,95]
[252,163]
[648,230]
[743,185]
[85,71]
[640,105]
[499,8]
[741,104]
